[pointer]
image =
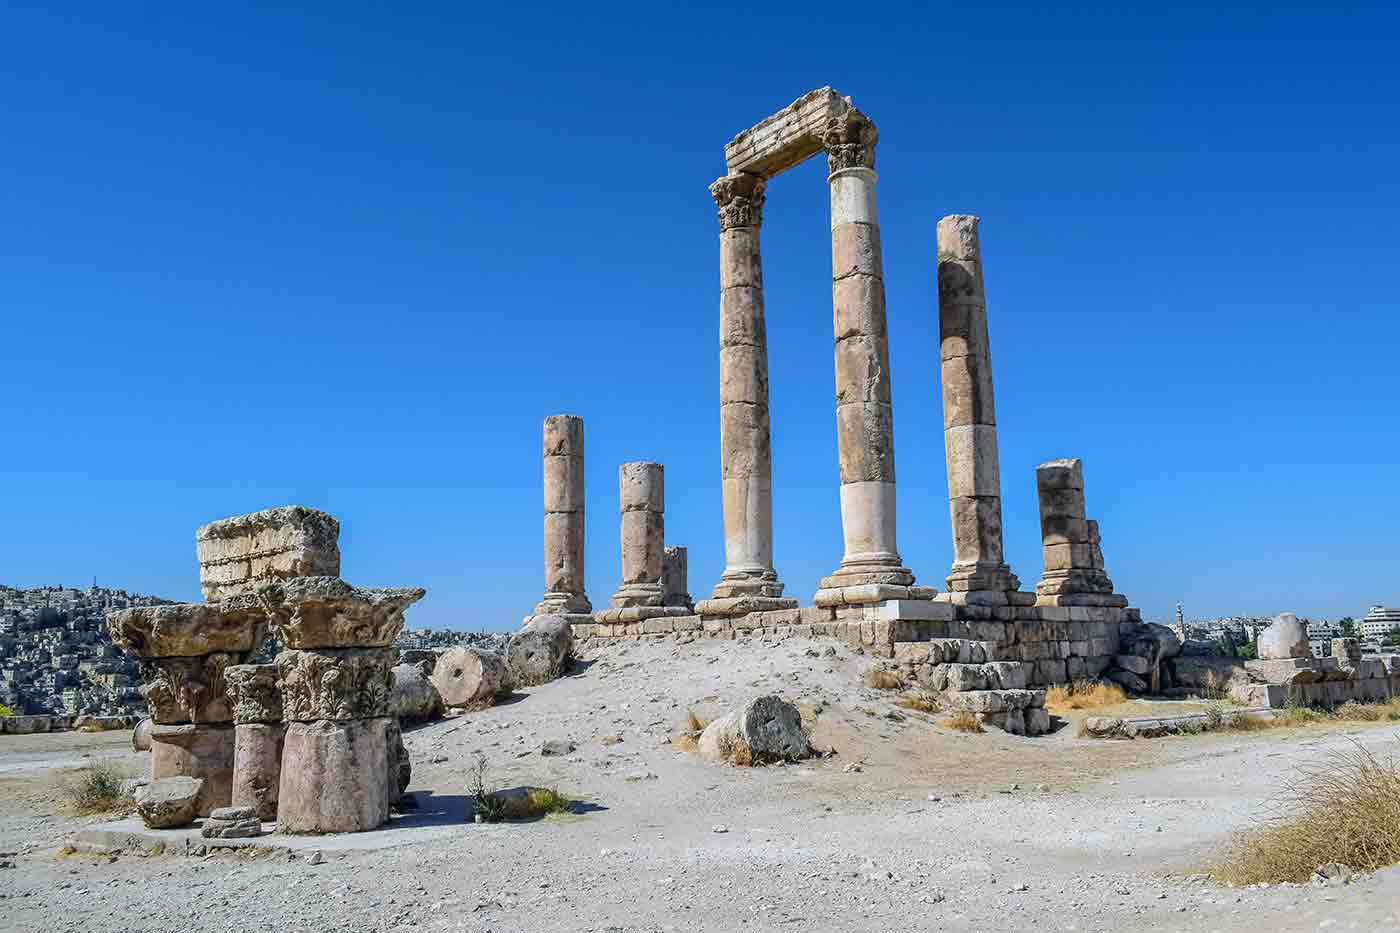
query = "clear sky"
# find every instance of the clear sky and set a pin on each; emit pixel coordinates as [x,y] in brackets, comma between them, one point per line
[350,257]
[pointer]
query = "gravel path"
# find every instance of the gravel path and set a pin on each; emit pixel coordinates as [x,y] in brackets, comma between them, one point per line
[936,830]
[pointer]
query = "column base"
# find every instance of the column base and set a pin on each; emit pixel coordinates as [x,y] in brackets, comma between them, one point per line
[868,594]
[640,613]
[633,595]
[993,598]
[1059,582]
[983,576]
[863,574]
[730,607]
[735,584]
[564,604]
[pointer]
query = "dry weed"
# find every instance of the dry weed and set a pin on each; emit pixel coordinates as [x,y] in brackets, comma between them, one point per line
[1084,694]
[1345,810]
[920,701]
[881,679]
[963,720]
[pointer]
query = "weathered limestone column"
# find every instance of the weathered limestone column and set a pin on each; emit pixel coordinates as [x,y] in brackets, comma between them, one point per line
[969,413]
[1073,559]
[340,759]
[642,493]
[864,413]
[258,733]
[563,518]
[745,437]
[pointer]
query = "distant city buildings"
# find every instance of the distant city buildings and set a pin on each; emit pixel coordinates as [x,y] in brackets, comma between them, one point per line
[1380,622]
[56,656]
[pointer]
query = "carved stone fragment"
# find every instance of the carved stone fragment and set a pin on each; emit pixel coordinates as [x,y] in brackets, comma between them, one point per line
[327,612]
[335,683]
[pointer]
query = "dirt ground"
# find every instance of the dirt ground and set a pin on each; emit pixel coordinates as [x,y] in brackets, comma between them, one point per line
[907,826]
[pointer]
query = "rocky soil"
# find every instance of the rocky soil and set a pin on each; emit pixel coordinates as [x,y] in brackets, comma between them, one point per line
[906,826]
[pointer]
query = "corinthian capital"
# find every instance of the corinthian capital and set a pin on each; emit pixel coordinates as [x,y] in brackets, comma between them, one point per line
[740,200]
[849,140]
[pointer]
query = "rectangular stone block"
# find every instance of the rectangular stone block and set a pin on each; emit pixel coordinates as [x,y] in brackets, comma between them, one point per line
[236,555]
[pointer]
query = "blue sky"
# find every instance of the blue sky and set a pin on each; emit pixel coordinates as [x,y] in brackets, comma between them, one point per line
[351,256]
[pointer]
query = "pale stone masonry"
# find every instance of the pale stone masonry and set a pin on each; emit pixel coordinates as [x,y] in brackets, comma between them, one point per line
[969,412]
[675,577]
[258,735]
[563,518]
[237,554]
[1073,558]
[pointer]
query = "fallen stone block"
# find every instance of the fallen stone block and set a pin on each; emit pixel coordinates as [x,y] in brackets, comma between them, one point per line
[540,651]
[168,803]
[413,698]
[469,678]
[764,730]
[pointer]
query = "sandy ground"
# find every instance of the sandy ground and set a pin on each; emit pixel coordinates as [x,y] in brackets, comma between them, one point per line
[936,831]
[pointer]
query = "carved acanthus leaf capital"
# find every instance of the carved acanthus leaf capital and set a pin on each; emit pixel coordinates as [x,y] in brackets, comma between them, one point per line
[740,200]
[849,140]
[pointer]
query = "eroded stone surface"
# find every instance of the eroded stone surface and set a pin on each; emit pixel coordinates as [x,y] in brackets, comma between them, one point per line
[336,776]
[198,751]
[170,802]
[327,612]
[539,652]
[413,698]
[334,683]
[237,554]
[180,690]
[253,693]
[257,767]
[186,630]
[1286,637]
[468,677]
[763,730]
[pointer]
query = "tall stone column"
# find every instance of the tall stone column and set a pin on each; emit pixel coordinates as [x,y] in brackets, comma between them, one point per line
[745,438]
[864,413]
[642,492]
[563,518]
[969,413]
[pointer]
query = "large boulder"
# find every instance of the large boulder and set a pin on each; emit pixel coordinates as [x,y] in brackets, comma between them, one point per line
[141,736]
[539,652]
[413,698]
[1154,644]
[469,678]
[1285,638]
[170,802]
[764,730]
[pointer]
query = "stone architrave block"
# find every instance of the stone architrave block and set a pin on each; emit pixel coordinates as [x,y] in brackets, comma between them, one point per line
[238,554]
[187,630]
[327,612]
[335,683]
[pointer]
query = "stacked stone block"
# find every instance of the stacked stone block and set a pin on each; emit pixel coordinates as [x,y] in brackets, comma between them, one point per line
[1074,567]
[563,518]
[675,578]
[258,733]
[238,554]
[340,760]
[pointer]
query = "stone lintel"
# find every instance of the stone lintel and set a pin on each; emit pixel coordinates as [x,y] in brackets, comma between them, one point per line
[832,597]
[789,137]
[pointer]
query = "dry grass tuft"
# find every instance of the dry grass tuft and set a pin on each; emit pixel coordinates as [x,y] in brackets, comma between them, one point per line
[1358,712]
[1345,811]
[963,720]
[689,740]
[536,803]
[1084,694]
[96,788]
[920,701]
[741,754]
[881,679]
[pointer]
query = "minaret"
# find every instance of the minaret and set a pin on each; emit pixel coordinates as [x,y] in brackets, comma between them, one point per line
[1180,626]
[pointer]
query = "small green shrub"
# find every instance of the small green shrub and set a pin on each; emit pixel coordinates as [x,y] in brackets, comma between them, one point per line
[96,788]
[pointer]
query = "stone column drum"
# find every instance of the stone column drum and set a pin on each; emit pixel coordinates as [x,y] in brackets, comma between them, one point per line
[185,651]
[563,518]
[642,493]
[340,759]
[864,413]
[969,412]
[675,577]
[257,736]
[745,436]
